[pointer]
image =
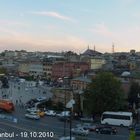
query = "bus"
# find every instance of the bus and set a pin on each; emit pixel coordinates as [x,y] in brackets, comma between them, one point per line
[117,118]
[6,105]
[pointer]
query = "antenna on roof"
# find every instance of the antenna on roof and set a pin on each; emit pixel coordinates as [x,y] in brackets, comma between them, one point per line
[88,47]
[94,48]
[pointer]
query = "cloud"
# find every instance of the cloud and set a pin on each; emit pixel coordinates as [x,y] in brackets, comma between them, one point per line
[53,14]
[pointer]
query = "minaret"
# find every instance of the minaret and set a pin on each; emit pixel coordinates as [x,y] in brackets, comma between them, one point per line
[113,47]
[94,48]
[88,47]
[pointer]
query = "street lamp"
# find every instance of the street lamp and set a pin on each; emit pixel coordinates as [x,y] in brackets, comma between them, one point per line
[64,81]
[70,106]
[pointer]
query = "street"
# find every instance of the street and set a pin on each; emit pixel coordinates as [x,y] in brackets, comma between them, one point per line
[48,128]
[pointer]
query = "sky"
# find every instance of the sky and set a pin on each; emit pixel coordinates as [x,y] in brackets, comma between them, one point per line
[70,25]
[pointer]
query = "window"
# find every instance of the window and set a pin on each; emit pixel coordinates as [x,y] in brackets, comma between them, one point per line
[121,117]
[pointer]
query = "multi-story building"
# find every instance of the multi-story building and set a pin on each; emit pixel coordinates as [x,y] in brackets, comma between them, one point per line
[10,54]
[23,69]
[80,83]
[69,69]
[97,63]
[47,68]
[36,69]
[31,68]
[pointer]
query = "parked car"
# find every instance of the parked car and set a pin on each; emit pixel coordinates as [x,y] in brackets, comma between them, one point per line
[80,131]
[40,99]
[32,116]
[67,138]
[32,109]
[32,101]
[40,113]
[87,126]
[106,130]
[63,113]
[137,129]
[50,113]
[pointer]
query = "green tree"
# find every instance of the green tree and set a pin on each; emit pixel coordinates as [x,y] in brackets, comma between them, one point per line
[104,94]
[132,135]
[133,94]
[2,71]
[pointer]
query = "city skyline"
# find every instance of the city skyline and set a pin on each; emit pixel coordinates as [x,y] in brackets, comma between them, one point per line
[45,25]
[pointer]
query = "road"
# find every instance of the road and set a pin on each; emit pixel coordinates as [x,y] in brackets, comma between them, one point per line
[47,127]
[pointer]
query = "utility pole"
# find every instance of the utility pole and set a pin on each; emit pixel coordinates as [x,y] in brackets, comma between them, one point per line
[70,106]
[70,122]
[64,80]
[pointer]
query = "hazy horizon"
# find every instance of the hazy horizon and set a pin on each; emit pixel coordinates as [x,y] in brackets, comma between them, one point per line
[45,25]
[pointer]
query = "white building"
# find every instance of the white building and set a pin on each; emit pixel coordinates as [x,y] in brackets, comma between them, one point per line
[97,63]
[36,69]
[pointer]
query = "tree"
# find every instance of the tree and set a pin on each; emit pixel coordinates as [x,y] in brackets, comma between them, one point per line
[2,71]
[132,135]
[104,94]
[133,93]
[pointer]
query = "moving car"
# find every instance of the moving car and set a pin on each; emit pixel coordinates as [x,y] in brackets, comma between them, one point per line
[50,113]
[80,131]
[106,130]
[32,116]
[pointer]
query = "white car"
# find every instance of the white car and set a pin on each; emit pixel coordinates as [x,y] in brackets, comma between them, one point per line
[32,109]
[41,99]
[32,116]
[63,114]
[87,126]
[50,113]
[34,112]
[67,138]
[80,131]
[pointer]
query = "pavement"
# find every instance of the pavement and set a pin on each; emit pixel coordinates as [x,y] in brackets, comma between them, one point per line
[21,92]
[48,128]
